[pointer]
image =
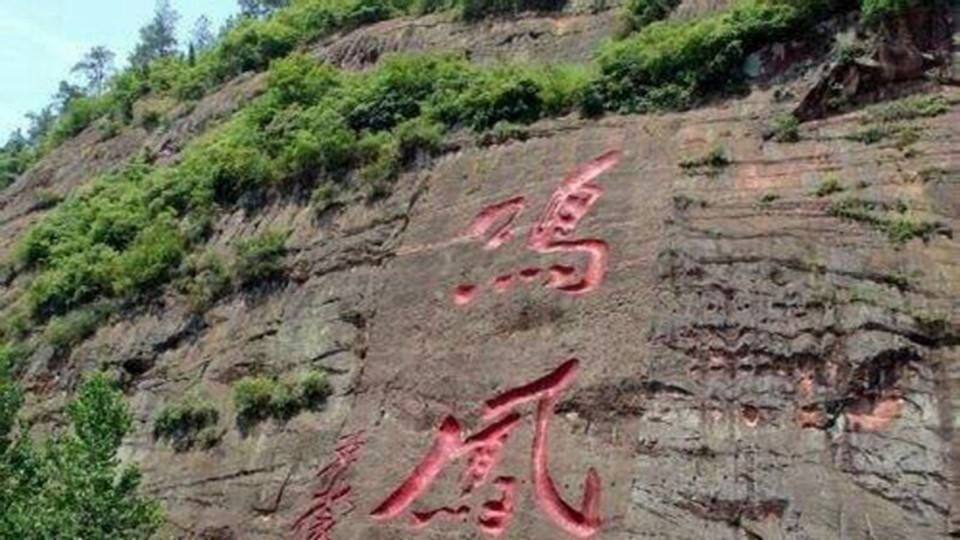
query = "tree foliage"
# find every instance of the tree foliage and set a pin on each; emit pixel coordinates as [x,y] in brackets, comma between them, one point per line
[72,485]
[260,8]
[95,66]
[158,38]
[201,37]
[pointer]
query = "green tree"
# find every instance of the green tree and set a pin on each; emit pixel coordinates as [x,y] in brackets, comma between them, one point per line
[15,156]
[95,67]
[158,38]
[66,94]
[201,37]
[72,486]
[40,124]
[259,8]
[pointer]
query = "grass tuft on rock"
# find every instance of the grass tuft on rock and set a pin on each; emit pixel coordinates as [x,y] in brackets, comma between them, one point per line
[258,398]
[189,423]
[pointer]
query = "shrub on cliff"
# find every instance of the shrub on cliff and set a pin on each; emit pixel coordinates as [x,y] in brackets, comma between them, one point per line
[187,423]
[908,108]
[73,485]
[506,94]
[675,64]
[478,9]
[208,280]
[261,258]
[637,14]
[12,164]
[107,243]
[259,398]
[65,331]
[876,13]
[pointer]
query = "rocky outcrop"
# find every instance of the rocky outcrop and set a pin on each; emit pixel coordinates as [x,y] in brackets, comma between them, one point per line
[903,57]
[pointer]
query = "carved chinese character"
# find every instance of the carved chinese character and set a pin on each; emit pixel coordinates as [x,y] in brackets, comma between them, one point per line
[484,450]
[321,515]
[553,233]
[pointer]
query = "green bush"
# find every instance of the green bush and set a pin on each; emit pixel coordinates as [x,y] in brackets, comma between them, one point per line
[187,423]
[418,136]
[76,280]
[503,94]
[231,163]
[898,227]
[400,88]
[150,261]
[10,401]
[910,108]
[323,145]
[261,258]
[315,389]
[323,197]
[561,86]
[253,397]
[828,186]
[63,332]
[675,64]
[472,10]
[712,162]
[164,74]
[208,281]
[870,134]
[125,89]
[77,116]
[252,44]
[876,13]
[786,128]
[300,79]
[260,398]
[13,163]
[637,14]
[73,486]
[151,120]
[423,7]
[504,132]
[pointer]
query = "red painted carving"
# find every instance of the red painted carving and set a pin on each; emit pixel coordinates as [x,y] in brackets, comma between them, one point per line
[485,449]
[422,519]
[492,224]
[496,515]
[553,233]
[321,515]
[464,294]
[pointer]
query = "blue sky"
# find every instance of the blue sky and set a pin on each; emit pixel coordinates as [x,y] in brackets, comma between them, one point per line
[40,40]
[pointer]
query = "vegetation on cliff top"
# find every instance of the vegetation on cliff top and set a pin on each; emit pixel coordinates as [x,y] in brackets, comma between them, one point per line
[129,234]
[317,127]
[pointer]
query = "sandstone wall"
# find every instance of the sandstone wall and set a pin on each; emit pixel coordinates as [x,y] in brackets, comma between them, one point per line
[749,366]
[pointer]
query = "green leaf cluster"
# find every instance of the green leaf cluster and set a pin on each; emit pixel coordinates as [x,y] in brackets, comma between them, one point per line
[71,485]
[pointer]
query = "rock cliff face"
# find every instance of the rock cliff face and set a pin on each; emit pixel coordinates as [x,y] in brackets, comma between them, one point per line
[750,362]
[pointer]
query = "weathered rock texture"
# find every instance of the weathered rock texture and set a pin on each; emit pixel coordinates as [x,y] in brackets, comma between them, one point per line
[750,367]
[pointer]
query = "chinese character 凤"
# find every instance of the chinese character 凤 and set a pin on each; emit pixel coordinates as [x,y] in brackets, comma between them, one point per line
[484,450]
